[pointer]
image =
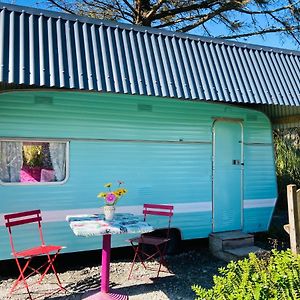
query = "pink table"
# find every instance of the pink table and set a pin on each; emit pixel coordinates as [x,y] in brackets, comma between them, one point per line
[95,225]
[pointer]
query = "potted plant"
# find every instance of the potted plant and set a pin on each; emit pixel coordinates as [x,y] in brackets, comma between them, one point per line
[111,198]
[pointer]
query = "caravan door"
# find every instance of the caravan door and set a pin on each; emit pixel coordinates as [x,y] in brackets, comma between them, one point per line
[227,175]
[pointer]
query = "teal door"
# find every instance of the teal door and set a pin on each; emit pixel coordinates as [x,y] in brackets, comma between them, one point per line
[227,176]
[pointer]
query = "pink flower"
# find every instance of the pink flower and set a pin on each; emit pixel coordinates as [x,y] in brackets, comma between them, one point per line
[110,198]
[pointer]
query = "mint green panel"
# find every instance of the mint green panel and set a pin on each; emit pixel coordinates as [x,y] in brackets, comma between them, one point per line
[259,172]
[257,129]
[257,219]
[105,116]
[163,173]
[168,173]
[227,197]
[187,222]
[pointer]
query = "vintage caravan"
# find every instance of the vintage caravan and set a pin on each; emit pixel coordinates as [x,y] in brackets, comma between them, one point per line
[107,102]
[213,162]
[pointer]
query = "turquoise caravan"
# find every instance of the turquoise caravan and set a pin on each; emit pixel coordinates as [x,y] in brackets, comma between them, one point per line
[104,102]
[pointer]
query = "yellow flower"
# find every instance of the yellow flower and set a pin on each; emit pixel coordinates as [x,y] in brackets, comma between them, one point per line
[118,193]
[124,191]
[102,195]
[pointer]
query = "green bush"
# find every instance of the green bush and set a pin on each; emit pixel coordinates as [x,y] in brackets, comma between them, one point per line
[276,276]
[287,157]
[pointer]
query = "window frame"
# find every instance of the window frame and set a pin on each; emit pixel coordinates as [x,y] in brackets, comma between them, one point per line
[36,140]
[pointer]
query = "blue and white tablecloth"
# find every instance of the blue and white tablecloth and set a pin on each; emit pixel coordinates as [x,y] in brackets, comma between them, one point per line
[93,225]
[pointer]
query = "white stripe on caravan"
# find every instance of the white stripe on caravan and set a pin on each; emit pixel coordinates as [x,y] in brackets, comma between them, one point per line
[257,203]
[60,215]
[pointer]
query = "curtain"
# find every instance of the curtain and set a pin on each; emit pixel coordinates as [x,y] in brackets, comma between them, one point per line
[58,159]
[11,161]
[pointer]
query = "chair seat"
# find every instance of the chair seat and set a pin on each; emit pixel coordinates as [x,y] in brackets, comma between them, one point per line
[39,250]
[150,240]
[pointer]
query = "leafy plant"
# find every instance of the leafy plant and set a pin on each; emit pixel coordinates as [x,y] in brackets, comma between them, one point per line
[33,155]
[287,157]
[272,277]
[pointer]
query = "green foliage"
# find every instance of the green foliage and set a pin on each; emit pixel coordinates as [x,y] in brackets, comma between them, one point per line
[287,156]
[272,277]
[33,155]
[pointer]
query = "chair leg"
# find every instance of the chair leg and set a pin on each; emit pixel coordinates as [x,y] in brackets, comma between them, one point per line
[160,251]
[50,265]
[134,259]
[136,255]
[56,275]
[21,278]
[162,260]
[141,260]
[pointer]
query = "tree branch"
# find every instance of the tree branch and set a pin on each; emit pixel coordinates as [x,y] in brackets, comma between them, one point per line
[182,9]
[177,21]
[259,16]
[206,18]
[155,8]
[130,7]
[263,12]
[261,32]
[64,8]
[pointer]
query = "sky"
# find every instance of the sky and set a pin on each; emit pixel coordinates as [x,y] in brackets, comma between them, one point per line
[271,40]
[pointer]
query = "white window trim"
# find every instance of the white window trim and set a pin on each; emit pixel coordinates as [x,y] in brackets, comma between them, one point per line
[40,141]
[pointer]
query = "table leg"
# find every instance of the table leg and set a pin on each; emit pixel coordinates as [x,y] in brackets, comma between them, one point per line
[104,293]
[106,246]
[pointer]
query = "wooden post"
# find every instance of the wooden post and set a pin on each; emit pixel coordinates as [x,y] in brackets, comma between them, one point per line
[293,197]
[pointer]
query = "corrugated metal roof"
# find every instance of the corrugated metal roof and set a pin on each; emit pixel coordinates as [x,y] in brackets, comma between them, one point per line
[282,117]
[51,49]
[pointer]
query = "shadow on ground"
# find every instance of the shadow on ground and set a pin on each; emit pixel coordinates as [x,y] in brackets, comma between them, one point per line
[194,265]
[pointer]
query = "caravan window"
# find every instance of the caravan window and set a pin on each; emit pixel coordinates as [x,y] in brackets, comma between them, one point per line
[33,162]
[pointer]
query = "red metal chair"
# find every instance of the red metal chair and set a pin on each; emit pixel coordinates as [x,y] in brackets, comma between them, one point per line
[26,217]
[158,243]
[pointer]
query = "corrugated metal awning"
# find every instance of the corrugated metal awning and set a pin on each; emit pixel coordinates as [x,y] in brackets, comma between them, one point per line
[50,49]
[282,117]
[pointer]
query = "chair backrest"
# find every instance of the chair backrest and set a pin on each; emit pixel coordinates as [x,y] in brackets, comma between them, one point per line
[159,210]
[21,218]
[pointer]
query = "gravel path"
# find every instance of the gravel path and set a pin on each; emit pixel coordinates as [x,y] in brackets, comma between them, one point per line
[193,267]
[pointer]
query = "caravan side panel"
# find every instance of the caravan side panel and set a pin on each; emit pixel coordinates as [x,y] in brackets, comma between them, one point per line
[161,148]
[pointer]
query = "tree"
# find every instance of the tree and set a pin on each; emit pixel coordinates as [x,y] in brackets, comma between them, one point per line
[240,18]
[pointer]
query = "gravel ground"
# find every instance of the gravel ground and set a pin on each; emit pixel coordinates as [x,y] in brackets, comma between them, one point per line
[188,268]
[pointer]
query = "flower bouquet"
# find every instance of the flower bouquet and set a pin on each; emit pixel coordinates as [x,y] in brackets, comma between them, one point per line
[111,198]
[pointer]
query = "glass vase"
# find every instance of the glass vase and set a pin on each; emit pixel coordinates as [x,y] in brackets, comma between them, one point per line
[109,212]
